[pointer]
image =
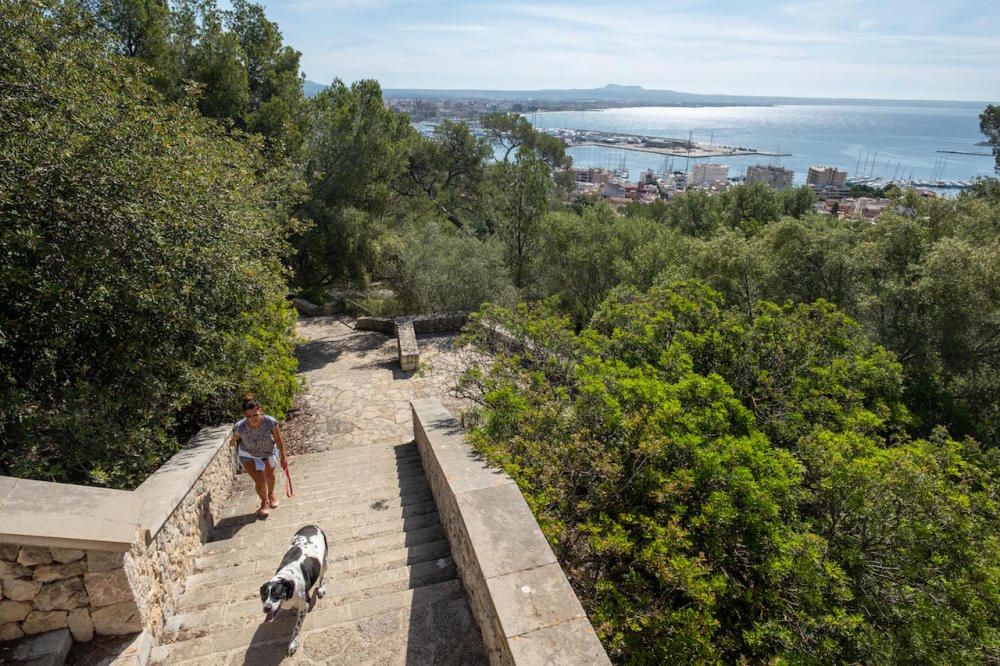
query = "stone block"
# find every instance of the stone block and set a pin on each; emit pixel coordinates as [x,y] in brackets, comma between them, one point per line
[108,587]
[14,611]
[10,570]
[39,622]
[104,561]
[21,590]
[533,599]
[10,631]
[64,594]
[502,531]
[117,620]
[42,513]
[47,573]
[409,353]
[48,649]
[34,555]
[9,551]
[566,644]
[67,555]
[81,625]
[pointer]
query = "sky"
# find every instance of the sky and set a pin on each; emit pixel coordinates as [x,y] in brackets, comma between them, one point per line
[899,49]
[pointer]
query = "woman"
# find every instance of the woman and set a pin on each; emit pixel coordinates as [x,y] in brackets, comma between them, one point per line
[260,445]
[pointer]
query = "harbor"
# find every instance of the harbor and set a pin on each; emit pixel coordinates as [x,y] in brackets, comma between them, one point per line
[659,145]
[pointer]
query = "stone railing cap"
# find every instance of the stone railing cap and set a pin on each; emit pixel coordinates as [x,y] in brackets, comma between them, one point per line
[41,513]
[161,493]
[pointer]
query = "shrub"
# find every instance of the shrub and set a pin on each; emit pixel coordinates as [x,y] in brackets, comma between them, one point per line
[141,284]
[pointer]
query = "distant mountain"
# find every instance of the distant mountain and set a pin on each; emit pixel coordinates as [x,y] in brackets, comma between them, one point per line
[311,88]
[622,95]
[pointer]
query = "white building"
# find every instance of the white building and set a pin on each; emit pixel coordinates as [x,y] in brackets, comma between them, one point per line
[826,177]
[706,174]
[774,177]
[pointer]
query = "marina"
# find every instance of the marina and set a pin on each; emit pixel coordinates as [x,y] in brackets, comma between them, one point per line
[659,145]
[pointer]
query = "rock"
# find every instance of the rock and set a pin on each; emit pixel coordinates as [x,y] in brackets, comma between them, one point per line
[307,309]
[14,611]
[49,649]
[81,625]
[104,561]
[21,590]
[108,587]
[39,622]
[10,632]
[50,572]
[67,555]
[33,555]
[10,570]
[62,595]
[117,620]
[9,551]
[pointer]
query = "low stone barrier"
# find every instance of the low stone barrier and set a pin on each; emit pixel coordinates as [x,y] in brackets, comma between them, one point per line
[441,322]
[522,601]
[409,353]
[106,561]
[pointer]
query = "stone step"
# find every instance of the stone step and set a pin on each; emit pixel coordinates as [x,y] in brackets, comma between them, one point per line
[341,477]
[279,536]
[251,525]
[319,491]
[232,614]
[335,551]
[345,471]
[290,517]
[221,584]
[322,617]
[359,452]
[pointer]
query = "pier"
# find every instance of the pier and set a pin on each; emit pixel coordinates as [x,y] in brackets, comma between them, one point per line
[659,145]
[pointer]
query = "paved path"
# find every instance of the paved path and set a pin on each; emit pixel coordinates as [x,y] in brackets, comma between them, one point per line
[393,596]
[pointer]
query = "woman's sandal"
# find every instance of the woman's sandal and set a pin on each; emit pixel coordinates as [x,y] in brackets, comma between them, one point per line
[263,511]
[273,501]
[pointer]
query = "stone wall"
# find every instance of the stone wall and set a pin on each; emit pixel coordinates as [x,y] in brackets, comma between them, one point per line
[524,605]
[174,529]
[441,322]
[107,561]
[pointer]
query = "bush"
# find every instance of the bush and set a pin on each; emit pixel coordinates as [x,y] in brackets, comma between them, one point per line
[725,488]
[442,270]
[141,285]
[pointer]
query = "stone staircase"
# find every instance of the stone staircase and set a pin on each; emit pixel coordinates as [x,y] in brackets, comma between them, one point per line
[393,596]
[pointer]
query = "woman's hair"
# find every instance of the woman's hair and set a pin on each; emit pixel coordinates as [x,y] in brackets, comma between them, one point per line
[249,402]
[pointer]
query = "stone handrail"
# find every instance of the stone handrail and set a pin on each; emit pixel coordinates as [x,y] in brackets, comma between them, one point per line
[108,561]
[522,601]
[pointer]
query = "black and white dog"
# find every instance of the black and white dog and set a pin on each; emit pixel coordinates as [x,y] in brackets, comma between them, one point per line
[302,569]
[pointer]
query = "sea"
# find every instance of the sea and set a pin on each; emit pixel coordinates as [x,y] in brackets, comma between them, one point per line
[893,140]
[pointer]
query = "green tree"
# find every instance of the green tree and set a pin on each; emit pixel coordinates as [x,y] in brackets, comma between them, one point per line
[733,489]
[512,132]
[517,200]
[447,172]
[141,283]
[989,124]
[356,148]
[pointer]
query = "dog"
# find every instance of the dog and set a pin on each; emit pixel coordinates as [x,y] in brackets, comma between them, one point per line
[301,571]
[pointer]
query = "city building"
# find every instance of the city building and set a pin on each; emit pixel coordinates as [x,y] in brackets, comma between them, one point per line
[707,174]
[826,177]
[591,175]
[774,177]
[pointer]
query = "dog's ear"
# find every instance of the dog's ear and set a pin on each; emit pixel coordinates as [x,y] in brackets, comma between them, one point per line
[264,591]
[289,588]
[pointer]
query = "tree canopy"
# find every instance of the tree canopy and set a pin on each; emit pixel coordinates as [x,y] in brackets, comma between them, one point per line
[141,277]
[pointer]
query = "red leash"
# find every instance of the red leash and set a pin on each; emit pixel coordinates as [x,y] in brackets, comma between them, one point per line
[288,479]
